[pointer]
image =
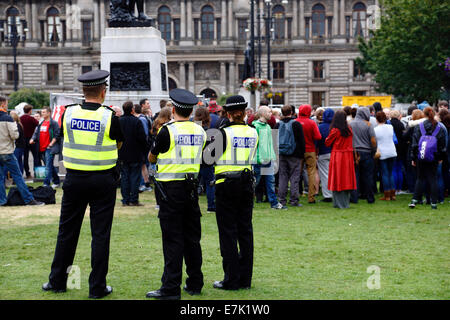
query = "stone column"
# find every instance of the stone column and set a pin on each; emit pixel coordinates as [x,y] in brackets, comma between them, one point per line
[223,78]
[102,18]
[28,18]
[223,26]
[232,76]
[182,20]
[335,17]
[96,23]
[35,30]
[191,77]
[189,19]
[302,18]
[342,19]
[295,19]
[182,79]
[230,19]
[215,32]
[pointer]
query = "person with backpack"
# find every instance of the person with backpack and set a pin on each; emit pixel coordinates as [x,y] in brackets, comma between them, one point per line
[428,149]
[291,143]
[323,162]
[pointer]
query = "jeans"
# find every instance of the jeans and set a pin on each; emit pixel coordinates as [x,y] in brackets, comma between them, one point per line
[387,176]
[398,174]
[35,152]
[9,162]
[208,175]
[129,183]
[50,169]
[270,184]
[364,178]
[289,171]
[18,152]
[323,165]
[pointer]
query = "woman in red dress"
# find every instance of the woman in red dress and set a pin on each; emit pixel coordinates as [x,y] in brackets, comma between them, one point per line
[341,176]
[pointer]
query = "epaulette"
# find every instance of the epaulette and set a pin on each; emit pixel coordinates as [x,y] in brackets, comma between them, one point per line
[72,105]
[109,108]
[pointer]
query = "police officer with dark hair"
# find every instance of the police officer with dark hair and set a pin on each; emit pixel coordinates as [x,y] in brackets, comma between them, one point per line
[91,132]
[178,154]
[234,197]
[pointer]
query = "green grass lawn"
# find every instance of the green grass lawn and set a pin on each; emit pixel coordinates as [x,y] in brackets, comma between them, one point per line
[314,252]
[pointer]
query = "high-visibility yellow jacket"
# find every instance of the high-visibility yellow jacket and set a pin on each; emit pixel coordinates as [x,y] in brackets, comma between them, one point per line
[187,140]
[87,145]
[242,141]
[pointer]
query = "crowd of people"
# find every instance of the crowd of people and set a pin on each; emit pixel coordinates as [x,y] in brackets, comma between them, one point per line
[346,155]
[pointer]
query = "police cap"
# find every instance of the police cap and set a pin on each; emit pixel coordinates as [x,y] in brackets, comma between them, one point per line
[94,78]
[183,98]
[235,103]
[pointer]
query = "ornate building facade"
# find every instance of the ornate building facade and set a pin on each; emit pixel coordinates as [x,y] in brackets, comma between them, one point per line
[313,45]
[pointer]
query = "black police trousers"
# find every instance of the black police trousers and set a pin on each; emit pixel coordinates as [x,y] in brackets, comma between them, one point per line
[179,218]
[234,209]
[98,189]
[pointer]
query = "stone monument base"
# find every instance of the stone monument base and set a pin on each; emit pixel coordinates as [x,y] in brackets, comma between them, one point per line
[137,61]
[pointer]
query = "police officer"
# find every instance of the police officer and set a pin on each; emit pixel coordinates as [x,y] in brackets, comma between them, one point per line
[234,197]
[177,152]
[90,134]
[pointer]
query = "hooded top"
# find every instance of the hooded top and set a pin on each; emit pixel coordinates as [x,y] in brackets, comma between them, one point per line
[363,130]
[324,129]
[310,129]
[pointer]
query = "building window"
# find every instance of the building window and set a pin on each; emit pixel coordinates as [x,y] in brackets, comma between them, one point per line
[10,74]
[196,31]
[358,73]
[52,73]
[347,27]
[279,22]
[318,70]
[359,93]
[307,29]
[176,27]
[13,20]
[87,32]
[54,27]
[318,98]
[241,70]
[85,69]
[207,19]
[359,20]
[242,26]
[164,22]
[163,77]
[289,22]
[278,70]
[219,29]
[318,20]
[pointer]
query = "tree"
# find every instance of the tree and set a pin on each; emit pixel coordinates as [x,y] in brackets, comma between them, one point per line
[407,53]
[37,99]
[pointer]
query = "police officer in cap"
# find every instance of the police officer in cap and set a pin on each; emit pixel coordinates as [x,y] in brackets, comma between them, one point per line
[234,197]
[91,132]
[177,151]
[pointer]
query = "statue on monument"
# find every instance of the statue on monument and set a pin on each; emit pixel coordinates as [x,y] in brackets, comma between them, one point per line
[122,14]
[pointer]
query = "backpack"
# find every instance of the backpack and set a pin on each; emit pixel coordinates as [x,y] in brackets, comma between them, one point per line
[43,194]
[286,140]
[427,144]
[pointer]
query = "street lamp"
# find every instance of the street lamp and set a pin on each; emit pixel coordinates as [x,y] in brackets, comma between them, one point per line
[14,37]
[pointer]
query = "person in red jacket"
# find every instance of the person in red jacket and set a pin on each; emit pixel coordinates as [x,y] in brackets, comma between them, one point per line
[311,133]
[341,175]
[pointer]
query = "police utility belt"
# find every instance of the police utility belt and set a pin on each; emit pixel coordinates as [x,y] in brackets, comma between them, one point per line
[245,175]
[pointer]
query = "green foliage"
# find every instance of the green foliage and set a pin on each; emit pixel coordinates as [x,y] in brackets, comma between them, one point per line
[408,52]
[223,99]
[37,99]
